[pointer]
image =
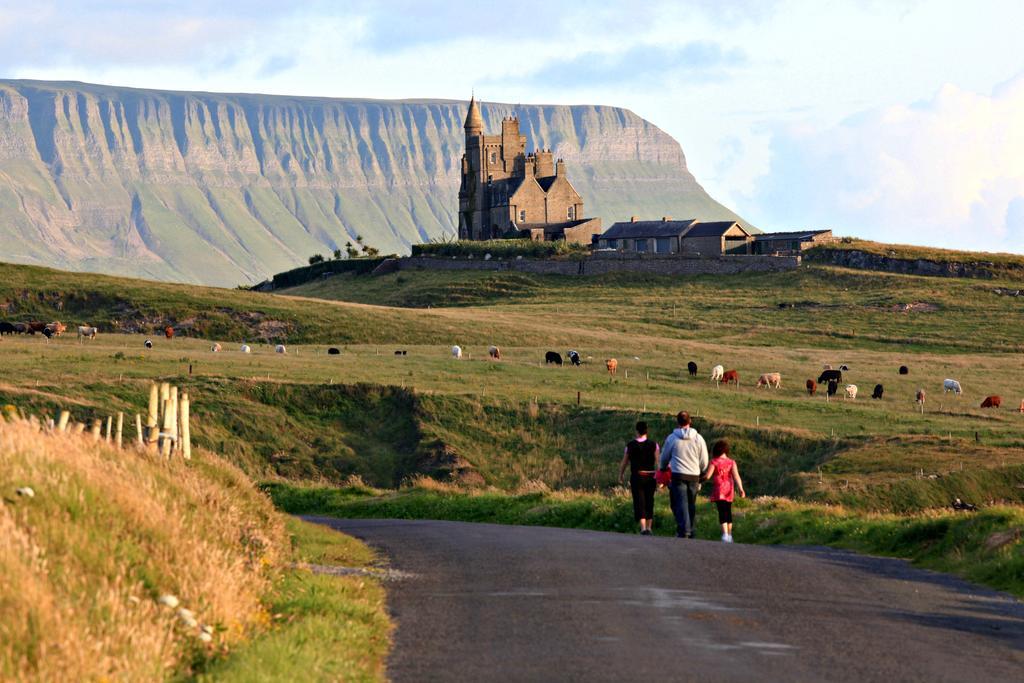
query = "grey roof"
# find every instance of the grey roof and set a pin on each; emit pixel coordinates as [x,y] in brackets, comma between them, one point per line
[800,234]
[712,229]
[634,229]
[546,182]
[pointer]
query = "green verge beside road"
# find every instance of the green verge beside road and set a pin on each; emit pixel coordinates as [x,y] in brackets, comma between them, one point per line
[983,547]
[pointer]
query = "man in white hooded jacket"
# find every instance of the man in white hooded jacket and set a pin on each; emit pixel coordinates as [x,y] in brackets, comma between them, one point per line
[686,454]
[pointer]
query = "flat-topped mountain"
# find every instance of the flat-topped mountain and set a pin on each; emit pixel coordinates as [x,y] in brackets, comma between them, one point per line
[228,188]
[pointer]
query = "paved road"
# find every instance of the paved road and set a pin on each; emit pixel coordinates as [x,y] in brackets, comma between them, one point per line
[503,603]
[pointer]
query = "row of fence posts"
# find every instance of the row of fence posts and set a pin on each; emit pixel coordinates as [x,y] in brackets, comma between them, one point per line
[167,430]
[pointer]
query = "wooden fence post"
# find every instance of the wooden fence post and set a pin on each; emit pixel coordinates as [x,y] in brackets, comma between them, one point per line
[97,427]
[110,420]
[168,430]
[186,431]
[138,431]
[151,418]
[120,427]
[62,421]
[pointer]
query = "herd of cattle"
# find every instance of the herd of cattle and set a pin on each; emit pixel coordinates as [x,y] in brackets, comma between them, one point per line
[830,377]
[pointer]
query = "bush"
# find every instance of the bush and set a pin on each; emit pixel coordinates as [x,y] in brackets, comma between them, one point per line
[502,249]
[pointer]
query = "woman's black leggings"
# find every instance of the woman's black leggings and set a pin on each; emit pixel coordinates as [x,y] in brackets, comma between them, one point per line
[643,489]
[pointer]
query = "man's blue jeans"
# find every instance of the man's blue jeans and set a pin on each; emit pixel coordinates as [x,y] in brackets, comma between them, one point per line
[682,496]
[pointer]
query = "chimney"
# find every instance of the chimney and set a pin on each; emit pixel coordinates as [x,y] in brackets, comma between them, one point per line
[632,219]
[666,219]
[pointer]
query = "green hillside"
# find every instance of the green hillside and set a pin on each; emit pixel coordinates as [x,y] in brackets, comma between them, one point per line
[230,188]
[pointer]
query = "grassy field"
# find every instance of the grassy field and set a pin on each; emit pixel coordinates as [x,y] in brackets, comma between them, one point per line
[90,556]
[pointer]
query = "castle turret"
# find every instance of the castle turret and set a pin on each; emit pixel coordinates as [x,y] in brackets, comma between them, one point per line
[474,121]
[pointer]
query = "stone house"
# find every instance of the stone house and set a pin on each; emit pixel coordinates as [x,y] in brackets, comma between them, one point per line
[790,242]
[716,238]
[669,236]
[655,237]
[506,192]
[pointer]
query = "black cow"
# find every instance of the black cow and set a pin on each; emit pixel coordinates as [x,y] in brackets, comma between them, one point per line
[574,358]
[6,328]
[879,389]
[692,367]
[333,352]
[830,376]
[48,333]
[833,387]
[904,370]
[20,328]
[402,352]
[148,343]
[844,367]
[553,357]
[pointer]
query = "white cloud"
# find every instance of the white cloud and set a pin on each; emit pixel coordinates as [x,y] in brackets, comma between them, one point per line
[948,171]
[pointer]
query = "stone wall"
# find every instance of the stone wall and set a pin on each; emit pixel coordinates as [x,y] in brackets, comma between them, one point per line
[600,264]
[863,260]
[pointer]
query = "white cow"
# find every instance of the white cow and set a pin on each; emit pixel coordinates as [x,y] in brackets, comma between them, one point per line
[851,392]
[280,349]
[215,348]
[245,348]
[148,343]
[770,379]
[716,373]
[951,385]
[456,352]
[87,332]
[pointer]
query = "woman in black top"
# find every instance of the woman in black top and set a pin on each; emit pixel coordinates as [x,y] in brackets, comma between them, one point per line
[642,457]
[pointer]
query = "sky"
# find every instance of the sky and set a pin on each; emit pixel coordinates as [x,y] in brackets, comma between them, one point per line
[895,120]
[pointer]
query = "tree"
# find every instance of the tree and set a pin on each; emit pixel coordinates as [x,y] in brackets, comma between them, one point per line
[337,254]
[316,258]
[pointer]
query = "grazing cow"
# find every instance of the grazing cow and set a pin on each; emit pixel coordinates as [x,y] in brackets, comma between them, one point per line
[36,326]
[552,357]
[245,349]
[87,332]
[333,351]
[731,376]
[280,349]
[47,332]
[879,390]
[456,352]
[904,370]
[851,392]
[6,328]
[574,358]
[494,352]
[216,348]
[20,328]
[812,387]
[612,365]
[826,366]
[830,375]
[833,387]
[716,373]
[920,397]
[951,385]
[692,368]
[148,343]
[56,328]
[169,332]
[401,352]
[770,379]
[844,367]
[992,402]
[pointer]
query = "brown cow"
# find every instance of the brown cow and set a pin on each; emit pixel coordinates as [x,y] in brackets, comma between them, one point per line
[812,387]
[920,396]
[731,376]
[57,328]
[35,326]
[612,365]
[770,379]
[992,402]
[169,332]
[494,352]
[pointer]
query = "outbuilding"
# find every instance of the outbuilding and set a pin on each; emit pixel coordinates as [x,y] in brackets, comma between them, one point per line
[636,236]
[790,242]
[716,238]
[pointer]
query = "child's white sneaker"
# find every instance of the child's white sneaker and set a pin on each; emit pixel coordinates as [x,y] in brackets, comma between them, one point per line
[726,538]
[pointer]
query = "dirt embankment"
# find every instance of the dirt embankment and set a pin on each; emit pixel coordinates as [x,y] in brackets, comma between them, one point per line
[908,265]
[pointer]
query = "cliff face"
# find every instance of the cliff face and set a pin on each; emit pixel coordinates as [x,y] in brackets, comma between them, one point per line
[226,189]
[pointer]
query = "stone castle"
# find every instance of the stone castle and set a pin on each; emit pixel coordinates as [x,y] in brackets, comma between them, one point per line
[506,192]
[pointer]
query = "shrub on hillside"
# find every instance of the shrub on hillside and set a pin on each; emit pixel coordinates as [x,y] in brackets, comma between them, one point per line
[501,249]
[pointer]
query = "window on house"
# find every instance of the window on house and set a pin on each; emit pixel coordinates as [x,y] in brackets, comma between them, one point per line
[627,245]
[641,245]
[494,157]
[571,213]
[663,246]
[522,216]
[612,244]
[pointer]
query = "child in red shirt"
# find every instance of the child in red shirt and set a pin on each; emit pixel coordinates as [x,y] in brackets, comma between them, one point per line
[725,479]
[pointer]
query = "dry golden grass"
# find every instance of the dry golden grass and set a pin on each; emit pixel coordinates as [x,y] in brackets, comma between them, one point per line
[84,560]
